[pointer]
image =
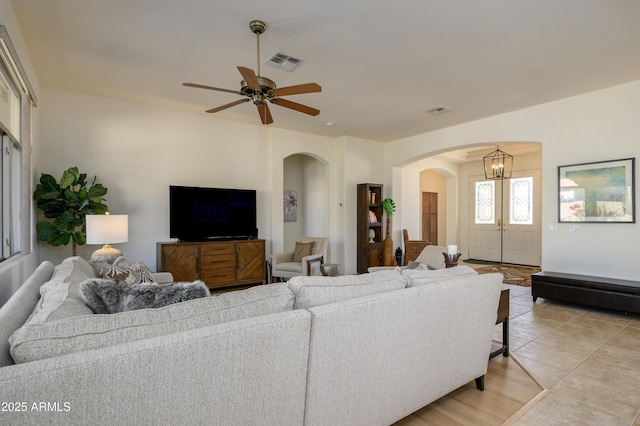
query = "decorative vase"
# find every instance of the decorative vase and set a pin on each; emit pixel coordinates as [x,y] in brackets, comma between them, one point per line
[387,246]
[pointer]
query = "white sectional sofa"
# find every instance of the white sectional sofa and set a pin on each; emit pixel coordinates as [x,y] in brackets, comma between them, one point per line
[351,350]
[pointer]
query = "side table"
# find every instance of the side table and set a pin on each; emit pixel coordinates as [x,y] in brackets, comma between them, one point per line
[503,317]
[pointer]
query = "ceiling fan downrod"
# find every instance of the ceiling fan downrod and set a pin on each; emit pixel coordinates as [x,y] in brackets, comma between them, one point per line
[258,27]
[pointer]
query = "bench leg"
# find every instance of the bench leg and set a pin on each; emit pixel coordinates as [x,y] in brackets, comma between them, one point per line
[480,383]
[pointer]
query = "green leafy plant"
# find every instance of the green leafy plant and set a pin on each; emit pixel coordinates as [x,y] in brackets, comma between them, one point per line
[65,205]
[389,206]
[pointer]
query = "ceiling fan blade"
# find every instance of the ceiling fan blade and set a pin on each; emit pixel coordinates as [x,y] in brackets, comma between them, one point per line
[200,86]
[265,114]
[220,108]
[297,90]
[250,78]
[296,106]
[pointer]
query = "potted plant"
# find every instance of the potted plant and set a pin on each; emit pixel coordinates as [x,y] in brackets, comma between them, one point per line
[389,207]
[65,205]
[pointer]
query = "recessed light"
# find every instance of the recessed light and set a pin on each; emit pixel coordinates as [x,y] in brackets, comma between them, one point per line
[329,124]
[436,110]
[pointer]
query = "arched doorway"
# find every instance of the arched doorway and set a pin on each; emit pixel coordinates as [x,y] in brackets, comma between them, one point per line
[461,167]
[305,198]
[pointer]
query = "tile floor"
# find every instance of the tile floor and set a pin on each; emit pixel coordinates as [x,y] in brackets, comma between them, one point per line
[589,359]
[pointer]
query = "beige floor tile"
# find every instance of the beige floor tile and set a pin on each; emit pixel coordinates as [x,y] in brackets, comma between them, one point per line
[565,344]
[628,338]
[550,355]
[549,318]
[561,410]
[620,399]
[613,374]
[577,331]
[611,316]
[517,310]
[526,330]
[564,307]
[617,356]
[588,321]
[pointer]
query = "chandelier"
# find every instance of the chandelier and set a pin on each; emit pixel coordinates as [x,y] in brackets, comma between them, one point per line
[498,165]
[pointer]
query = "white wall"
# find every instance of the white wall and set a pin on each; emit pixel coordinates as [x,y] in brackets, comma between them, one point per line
[601,125]
[137,151]
[364,163]
[293,181]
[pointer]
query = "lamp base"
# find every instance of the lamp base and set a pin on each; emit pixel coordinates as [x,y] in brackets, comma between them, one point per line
[106,254]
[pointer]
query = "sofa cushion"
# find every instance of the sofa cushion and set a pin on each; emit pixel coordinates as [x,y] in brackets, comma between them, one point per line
[121,270]
[15,312]
[420,276]
[54,338]
[313,291]
[105,296]
[60,296]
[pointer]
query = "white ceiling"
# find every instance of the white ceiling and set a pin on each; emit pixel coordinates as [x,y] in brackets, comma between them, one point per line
[381,64]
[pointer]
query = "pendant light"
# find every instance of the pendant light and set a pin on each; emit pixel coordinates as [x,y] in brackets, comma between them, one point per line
[498,165]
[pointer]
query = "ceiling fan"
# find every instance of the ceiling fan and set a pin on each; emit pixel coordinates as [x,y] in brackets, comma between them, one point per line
[259,89]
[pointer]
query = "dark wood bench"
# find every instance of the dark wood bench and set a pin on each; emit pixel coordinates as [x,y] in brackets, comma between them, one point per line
[598,292]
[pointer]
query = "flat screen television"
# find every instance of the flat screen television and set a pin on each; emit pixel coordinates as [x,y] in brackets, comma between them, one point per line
[200,214]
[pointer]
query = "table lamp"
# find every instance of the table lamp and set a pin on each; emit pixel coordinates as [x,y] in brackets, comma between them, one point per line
[106,229]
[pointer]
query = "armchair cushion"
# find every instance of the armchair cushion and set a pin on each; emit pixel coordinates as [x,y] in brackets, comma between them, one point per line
[303,250]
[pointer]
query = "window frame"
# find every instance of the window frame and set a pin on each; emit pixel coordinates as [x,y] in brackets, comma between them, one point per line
[15,168]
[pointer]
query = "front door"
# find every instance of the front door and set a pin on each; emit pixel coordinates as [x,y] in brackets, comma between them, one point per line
[505,219]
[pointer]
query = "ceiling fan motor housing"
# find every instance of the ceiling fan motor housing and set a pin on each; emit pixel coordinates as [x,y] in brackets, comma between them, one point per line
[266,85]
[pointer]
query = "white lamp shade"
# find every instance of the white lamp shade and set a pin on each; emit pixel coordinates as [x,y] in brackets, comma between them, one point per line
[107,228]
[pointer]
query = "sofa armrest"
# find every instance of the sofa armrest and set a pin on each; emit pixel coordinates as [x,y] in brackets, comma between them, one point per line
[163,277]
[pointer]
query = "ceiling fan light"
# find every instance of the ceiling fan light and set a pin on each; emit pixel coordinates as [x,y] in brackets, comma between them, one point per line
[257,99]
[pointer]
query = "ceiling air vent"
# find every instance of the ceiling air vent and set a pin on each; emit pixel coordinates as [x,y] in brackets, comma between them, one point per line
[283,61]
[436,110]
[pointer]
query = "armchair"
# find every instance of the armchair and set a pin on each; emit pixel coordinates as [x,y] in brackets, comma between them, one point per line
[412,248]
[287,265]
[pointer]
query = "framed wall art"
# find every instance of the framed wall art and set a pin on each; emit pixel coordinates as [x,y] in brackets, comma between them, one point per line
[290,206]
[599,192]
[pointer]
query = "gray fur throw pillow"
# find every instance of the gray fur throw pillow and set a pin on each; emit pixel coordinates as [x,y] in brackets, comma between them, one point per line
[106,296]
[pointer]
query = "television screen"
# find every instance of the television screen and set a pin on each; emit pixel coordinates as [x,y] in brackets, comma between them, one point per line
[198,214]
